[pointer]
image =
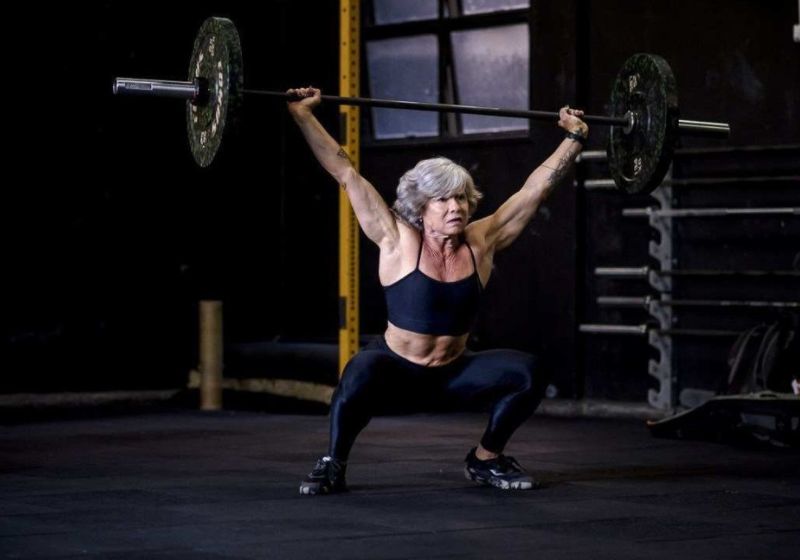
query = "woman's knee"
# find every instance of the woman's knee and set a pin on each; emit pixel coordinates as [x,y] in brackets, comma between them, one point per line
[526,373]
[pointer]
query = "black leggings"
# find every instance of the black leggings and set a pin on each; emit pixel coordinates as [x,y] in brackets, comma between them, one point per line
[377,380]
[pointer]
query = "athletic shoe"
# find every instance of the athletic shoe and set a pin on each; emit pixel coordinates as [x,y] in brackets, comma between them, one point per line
[502,471]
[326,478]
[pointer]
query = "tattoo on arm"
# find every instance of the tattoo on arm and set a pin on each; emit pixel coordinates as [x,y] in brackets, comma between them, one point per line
[560,171]
[342,154]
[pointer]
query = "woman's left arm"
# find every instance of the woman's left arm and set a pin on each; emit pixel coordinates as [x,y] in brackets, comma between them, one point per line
[504,226]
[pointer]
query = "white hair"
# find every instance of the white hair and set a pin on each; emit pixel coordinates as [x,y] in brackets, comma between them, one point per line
[432,178]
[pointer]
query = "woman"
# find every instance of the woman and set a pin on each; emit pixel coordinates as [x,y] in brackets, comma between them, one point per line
[433,264]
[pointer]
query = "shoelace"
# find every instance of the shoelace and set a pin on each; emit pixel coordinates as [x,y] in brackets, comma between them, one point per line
[322,465]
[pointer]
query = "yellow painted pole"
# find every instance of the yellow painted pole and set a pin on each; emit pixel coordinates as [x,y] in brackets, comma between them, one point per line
[349,63]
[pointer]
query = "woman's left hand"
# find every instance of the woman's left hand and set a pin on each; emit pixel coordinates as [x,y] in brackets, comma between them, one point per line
[570,120]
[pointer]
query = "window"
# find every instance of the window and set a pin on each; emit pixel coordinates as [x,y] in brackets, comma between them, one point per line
[405,68]
[466,52]
[492,71]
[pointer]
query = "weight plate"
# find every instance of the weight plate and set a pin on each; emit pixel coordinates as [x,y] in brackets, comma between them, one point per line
[640,158]
[217,63]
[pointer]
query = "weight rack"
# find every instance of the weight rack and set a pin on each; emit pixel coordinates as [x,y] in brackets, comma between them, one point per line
[661,307]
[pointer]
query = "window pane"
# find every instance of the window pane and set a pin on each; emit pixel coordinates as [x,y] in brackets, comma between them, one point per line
[393,11]
[406,69]
[491,67]
[480,6]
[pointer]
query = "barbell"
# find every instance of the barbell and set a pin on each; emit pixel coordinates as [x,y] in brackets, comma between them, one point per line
[645,125]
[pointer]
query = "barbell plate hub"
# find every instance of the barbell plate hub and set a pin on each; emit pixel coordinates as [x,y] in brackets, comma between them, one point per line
[630,117]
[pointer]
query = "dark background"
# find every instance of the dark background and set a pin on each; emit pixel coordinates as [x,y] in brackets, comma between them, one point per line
[113,234]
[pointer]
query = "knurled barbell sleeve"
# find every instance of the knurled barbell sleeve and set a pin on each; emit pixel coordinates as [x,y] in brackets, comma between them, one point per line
[156,88]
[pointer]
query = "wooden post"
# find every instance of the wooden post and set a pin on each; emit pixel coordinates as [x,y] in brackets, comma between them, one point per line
[210,355]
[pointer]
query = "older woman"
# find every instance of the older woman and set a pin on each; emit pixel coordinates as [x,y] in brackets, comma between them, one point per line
[434,264]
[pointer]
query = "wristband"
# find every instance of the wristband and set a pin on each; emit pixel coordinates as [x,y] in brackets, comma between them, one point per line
[577,137]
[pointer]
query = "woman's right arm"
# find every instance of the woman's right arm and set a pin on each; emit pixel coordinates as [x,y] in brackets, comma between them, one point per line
[374,217]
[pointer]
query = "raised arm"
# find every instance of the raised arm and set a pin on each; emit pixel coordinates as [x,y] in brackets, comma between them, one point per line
[504,226]
[374,216]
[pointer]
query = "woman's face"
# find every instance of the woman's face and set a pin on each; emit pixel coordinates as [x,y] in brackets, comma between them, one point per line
[446,216]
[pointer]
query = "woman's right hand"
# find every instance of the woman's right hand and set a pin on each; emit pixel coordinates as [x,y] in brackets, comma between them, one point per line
[306,99]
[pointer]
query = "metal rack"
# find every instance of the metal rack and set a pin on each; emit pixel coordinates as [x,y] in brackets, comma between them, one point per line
[661,329]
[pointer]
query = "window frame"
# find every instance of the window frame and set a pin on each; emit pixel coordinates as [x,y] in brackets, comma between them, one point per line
[450,124]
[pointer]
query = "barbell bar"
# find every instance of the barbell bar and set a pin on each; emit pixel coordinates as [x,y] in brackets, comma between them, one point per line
[645,126]
[197,90]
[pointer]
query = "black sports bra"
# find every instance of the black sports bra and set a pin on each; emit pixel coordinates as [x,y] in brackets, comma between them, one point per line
[421,304]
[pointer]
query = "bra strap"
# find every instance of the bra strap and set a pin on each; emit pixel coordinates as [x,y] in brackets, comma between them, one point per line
[419,256]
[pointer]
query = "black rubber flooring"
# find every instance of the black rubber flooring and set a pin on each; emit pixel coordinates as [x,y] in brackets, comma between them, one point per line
[175,484]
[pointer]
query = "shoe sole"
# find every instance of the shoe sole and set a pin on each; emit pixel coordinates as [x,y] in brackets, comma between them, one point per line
[318,490]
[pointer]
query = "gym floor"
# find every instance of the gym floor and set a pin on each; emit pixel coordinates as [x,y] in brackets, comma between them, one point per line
[172,483]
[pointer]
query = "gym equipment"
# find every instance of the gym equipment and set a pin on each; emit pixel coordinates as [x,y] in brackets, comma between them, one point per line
[645,125]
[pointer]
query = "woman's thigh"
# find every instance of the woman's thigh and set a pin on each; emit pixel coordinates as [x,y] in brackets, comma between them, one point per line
[485,377]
